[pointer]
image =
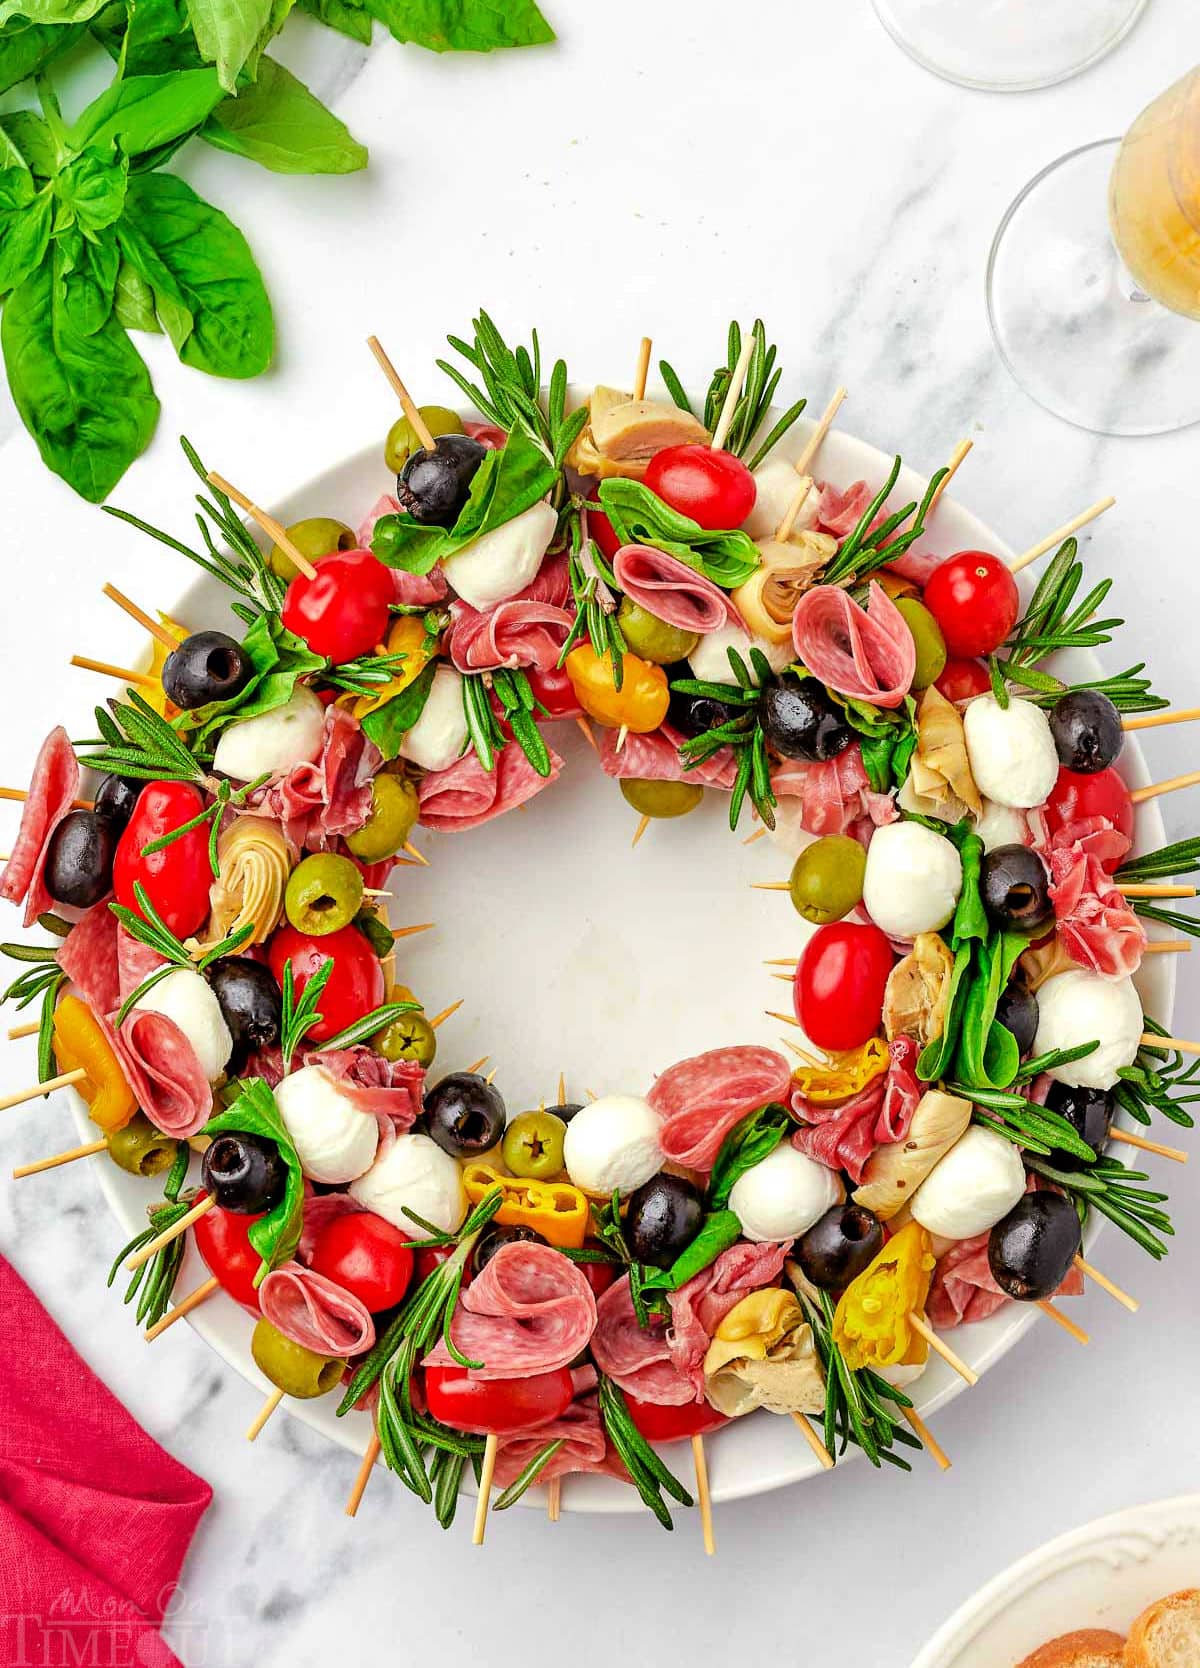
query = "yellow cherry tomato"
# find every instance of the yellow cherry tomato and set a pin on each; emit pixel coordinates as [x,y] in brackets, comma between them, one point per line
[639,705]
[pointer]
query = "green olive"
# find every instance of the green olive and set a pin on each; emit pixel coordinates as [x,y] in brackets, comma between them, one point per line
[324,893]
[533,1145]
[318,536]
[401,442]
[927,635]
[661,799]
[651,637]
[407,1037]
[293,1369]
[827,878]
[141,1149]
[395,807]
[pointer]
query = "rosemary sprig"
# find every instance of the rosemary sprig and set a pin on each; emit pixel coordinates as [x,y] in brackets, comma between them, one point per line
[1033,1128]
[1108,1187]
[758,390]
[867,548]
[511,392]
[518,705]
[136,741]
[225,795]
[742,733]
[41,983]
[367,1026]
[1127,691]
[609,1230]
[299,1015]
[650,1476]
[592,587]
[367,674]
[1155,1080]
[1182,857]
[153,1283]
[150,929]
[528,1476]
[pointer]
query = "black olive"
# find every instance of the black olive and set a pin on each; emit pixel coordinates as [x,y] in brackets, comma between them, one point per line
[839,1245]
[433,486]
[79,859]
[1031,1249]
[566,1109]
[1015,889]
[250,1001]
[800,721]
[495,1239]
[116,797]
[244,1173]
[1018,1010]
[207,666]
[1087,730]
[465,1114]
[693,714]
[663,1219]
[1090,1113]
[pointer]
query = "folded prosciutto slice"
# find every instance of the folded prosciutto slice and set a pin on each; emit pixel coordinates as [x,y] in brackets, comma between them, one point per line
[701,1304]
[844,1137]
[513,633]
[53,788]
[866,654]
[161,1068]
[584,1446]
[391,1088]
[530,1310]
[835,794]
[1096,926]
[840,512]
[655,757]
[316,802]
[413,590]
[667,588]
[465,794]
[88,956]
[700,1100]
[638,1362]
[964,1289]
[315,1312]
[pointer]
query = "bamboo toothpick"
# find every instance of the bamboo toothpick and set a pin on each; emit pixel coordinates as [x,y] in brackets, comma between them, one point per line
[275,530]
[364,1474]
[15,1032]
[562,1088]
[784,961]
[1139,796]
[643,825]
[1167,947]
[411,410]
[168,1234]
[921,1326]
[770,886]
[1180,1044]
[1107,1285]
[1052,540]
[813,444]
[408,932]
[1056,1315]
[56,1159]
[417,856]
[733,394]
[138,680]
[1154,720]
[923,1434]
[193,1300]
[622,737]
[785,1019]
[481,1062]
[487,1471]
[809,1433]
[1175,1154]
[264,1413]
[22,794]
[155,627]
[554,1499]
[784,531]
[1155,891]
[62,1081]
[643,368]
[586,728]
[759,834]
[446,1012]
[703,1497]
[956,457]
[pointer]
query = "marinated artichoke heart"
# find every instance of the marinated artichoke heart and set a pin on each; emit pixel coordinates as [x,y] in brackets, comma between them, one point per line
[893,1173]
[940,773]
[918,991]
[622,434]
[254,862]
[763,1355]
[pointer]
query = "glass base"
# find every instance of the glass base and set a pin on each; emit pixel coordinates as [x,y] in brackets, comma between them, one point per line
[1008,46]
[1069,322]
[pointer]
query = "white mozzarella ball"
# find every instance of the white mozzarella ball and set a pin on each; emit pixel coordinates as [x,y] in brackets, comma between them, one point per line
[188,999]
[783,1195]
[274,741]
[967,1192]
[1001,825]
[902,1373]
[416,1174]
[1011,750]
[709,660]
[613,1142]
[777,484]
[912,880]
[439,736]
[335,1139]
[498,564]
[1080,1007]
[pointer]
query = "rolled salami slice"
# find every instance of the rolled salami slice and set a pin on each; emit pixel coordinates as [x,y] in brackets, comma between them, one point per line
[167,1079]
[671,591]
[867,655]
[529,1311]
[54,785]
[700,1100]
[315,1312]
[638,1362]
[584,1446]
[464,795]
[88,956]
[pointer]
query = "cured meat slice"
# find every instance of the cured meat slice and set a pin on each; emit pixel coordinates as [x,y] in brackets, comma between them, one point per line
[700,1100]
[1096,926]
[135,962]
[671,591]
[868,655]
[840,512]
[390,1088]
[514,633]
[530,1310]
[320,1209]
[315,1312]
[464,795]
[844,1137]
[836,794]
[413,590]
[332,796]
[54,785]
[965,1291]
[88,956]
[585,1447]
[638,1362]
[701,1304]
[654,757]
[161,1067]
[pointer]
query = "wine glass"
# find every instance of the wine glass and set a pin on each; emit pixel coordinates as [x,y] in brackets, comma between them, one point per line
[1096,315]
[1008,46]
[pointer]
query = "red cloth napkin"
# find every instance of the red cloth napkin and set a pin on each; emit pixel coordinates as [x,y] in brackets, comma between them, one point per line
[95,1517]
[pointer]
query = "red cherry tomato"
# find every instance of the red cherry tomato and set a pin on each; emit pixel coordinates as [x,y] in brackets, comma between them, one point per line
[355,986]
[343,611]
[840,983]
[433,1256]
[974,599]
[556,692]
[176,879]
[221,1239]
[672,1424]
[483,1407]
[1101,794]
[367,1256]
[601,529]
[714,488]
[962,680]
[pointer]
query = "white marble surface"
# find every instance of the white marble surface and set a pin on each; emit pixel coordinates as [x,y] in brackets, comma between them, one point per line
[663,168]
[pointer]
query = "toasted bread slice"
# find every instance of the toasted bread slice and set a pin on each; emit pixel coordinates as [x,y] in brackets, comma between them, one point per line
[1091,1647]
[1167,1633]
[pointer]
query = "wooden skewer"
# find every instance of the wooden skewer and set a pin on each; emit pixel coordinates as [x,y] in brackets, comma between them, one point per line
[1060,533]
[922,1431]
[446,1012]
[784,531]
[168,1234]
[275,530]
[53,1162]
[1168,947]
[376,892]
[417,856]
[264,1413]
[784,961]
[786,1019]
[703,1497]
[813,444]
[803,1055]
[1139,796]
[1156,891]
[193,1300]
[139,680]
[1107,1285]
[554,1499]
[921,1326]
[759,834]
[809,1433]
[956,457]
[770,886]
[364,1475]
[409,932]
[586,728]
[643,825]
[1180,1044]
[1056,1315]
[490,1449]
[732,395]
[1154,720]
[155,627]
[15,1032]
[22,794]
[491,1076]
[643,368]
[785,978]
[622,737]
[62,1081]
[1175,1154]
[482,1061]
[419,426]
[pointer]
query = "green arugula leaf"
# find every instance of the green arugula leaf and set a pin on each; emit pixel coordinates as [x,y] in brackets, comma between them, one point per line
[639,516]
[26,48]
[348,17]
[145,111]
[279,124]
[25,213]
[463,25]
[232,33]
[388,724]
[276,1235]
[91,192]
[278,659]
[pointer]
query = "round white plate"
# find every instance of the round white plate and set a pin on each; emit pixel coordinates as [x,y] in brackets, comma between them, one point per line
[1102,1575]
[578,954]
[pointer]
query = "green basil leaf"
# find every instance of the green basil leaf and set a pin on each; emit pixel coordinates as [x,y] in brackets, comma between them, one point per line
[209,294]
[134,301]
[346,16]
[91,192]
[157,38]
[278,658]
[86,400]
[147,111]
[232,33]
[87,278]
[747,1144]
[376,932]
[51,12]
[388,724]
[26,133]
[463,25]
[279,124]
[276,1235]
[639,516]
[719,1230]
[26,48]
[987,1055]
[24,226]
[935,1057]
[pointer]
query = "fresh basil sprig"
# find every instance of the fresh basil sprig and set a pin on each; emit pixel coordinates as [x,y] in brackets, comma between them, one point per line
[276,1235]
[639,516]
[747,1144]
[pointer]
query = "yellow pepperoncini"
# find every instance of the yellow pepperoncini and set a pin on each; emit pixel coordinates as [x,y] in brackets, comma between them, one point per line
[556,1210]
[406,637]
[639,705]
[872,1323]
[846,1074]
[80,1044]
